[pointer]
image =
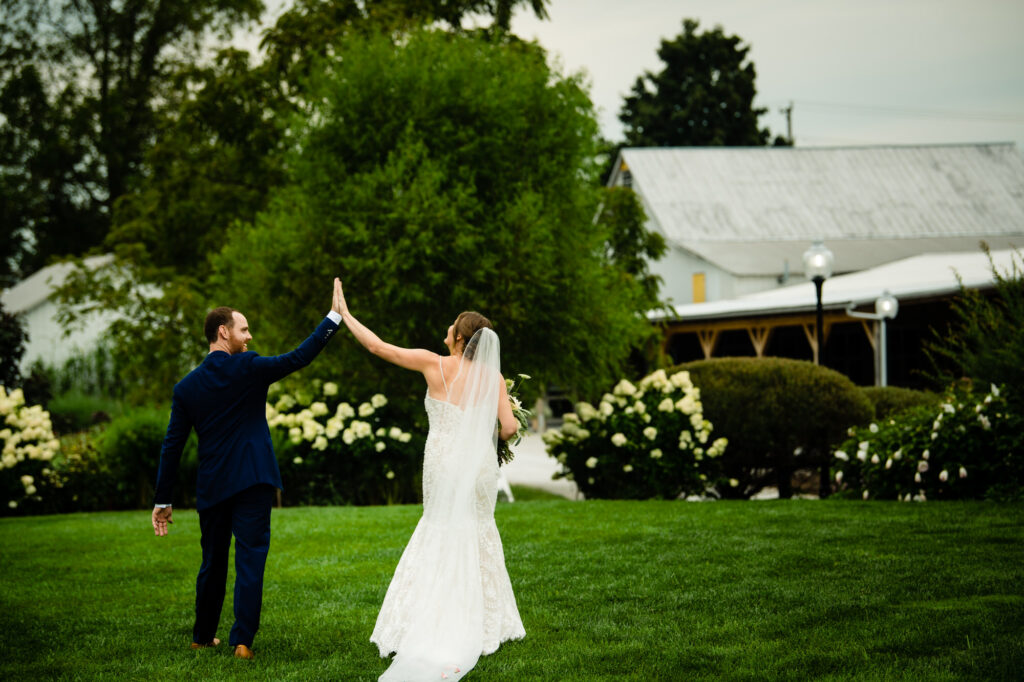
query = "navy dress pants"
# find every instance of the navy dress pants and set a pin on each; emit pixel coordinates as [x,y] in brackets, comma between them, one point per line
[245,515]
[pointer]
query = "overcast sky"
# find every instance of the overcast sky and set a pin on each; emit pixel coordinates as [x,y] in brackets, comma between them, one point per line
[856,71]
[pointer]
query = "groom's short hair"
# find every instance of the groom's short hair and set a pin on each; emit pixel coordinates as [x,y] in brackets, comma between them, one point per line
[217,317]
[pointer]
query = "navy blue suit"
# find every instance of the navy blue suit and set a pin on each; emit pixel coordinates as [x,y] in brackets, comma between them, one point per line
[224,400]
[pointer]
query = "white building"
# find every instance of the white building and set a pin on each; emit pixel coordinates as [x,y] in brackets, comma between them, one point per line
[32,299]
[737,219]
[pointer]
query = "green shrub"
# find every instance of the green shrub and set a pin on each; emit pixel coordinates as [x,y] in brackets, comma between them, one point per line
[971,446]
[128,450]
[644,441]
[779,415]
[890,400]
[75,411]
[332,451]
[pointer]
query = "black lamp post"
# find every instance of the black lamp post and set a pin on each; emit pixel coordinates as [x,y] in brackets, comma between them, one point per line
[818,267]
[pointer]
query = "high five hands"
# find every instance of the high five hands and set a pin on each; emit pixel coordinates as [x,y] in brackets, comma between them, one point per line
[339,306]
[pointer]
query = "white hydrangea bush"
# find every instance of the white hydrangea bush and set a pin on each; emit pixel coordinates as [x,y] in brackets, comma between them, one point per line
[28,449]
[334,450]
[641,441]
[969,446]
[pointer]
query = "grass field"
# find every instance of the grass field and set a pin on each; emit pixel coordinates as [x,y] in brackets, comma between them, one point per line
[782,590]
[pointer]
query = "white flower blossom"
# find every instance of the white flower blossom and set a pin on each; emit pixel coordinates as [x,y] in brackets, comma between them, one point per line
[394,433]
[365,410]
[840,455]
[888,463]
[839,477]
[590,480]
[733,482]
[926,454]
[922,466]
[874,459]
[873,428]
[389,475]
[586,411]
[650,433]
[865,495]
[330,388]
[943,476]
[320,443]
[627,468]
[318,409]
[639,407]
[963,472]
[380,446]
[378,400]
[27,480]
[606,408]
[623,388]
[666,405]
[898,454]
[592,462]
[994,390]
[297,460]
[985,423]
[12,504]
[917,478]
[570,418]
[406,437]
[345,411]
[618,440]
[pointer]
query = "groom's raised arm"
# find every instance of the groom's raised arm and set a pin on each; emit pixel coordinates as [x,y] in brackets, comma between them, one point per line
[276,367]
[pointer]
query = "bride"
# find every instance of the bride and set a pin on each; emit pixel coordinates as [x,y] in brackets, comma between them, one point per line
[450,600]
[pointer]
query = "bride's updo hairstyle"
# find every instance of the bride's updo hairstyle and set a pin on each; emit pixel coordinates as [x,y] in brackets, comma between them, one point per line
[467,324]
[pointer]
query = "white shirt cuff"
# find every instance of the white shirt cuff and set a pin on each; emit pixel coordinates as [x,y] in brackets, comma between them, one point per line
[334,317]
[161,506]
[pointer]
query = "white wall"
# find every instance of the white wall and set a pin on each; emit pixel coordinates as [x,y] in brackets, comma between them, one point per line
[46,340]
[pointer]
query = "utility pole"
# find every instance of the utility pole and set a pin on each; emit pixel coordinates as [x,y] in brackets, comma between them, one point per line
[788,111]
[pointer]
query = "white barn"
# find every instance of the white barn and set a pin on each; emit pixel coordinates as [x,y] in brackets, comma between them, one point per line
[737,220]
[33,301]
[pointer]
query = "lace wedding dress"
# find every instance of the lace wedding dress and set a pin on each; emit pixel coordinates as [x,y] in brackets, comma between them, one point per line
[450,600]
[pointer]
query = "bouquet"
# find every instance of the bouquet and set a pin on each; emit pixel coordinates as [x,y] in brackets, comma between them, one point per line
[522,416]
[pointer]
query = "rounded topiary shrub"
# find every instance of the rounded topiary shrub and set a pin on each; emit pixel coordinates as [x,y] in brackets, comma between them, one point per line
[779,415]
[648,440]
[890,400]
[128,450]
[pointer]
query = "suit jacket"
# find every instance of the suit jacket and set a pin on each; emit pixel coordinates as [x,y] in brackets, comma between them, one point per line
[224,400]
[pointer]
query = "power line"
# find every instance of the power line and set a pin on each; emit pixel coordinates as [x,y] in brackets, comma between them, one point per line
[871,109]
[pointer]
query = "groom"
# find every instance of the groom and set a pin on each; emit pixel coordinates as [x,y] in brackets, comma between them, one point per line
[224,400]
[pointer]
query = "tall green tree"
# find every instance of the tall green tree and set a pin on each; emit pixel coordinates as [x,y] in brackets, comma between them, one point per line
[442,174]
[80,88]
[704,96]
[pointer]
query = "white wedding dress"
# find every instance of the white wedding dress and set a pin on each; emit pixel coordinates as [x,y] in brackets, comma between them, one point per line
[450,600]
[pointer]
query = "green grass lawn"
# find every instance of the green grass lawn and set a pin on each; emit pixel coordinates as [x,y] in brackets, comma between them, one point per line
[791,590]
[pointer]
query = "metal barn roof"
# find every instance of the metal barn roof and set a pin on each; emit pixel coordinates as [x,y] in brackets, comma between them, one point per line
[750,210]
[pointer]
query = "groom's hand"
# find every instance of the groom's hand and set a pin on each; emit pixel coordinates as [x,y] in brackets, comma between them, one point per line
[161,517]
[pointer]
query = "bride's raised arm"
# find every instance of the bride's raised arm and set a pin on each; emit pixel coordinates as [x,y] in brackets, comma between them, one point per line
[416,359]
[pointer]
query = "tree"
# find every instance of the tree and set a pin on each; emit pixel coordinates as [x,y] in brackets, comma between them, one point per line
[703,97]
[80,86]
[985,340]
[442,174]
[12,347]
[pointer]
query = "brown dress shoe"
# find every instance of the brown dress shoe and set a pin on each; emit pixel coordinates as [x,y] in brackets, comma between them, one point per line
[242,651]
[197,645]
